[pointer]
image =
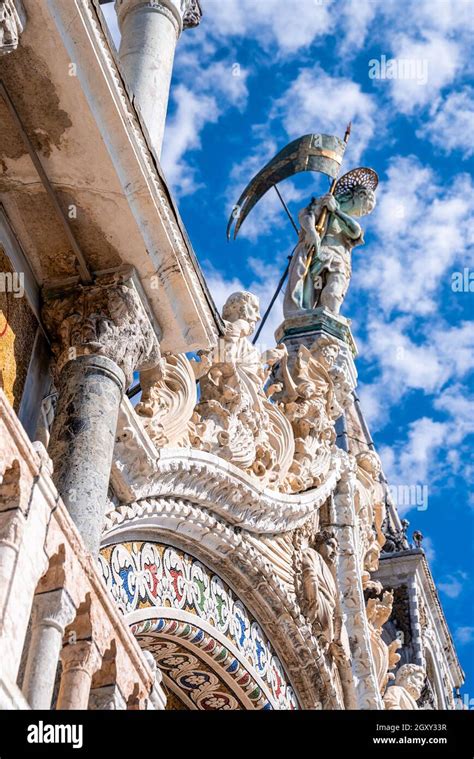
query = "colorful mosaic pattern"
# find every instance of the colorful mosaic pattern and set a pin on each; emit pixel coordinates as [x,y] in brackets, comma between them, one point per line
[225,660]
[192,676]
[141,575]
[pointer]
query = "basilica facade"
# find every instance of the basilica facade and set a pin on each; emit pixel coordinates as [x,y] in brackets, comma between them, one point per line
[186,522]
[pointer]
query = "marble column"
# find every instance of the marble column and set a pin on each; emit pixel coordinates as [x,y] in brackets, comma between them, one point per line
[150,30]
[52,612]
[100,334]
[80,661]
[157,698]
[82,439]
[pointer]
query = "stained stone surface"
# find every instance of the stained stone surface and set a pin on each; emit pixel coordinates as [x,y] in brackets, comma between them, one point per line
[82,439]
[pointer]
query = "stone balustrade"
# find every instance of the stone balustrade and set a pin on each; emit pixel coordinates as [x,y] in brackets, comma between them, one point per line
[79,653]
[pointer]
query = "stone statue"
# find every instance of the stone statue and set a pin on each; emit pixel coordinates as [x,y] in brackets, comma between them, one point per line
[234,417]
[406,690]
[385,656]
[319,587]
[320,269]
[309,403]
[371,511]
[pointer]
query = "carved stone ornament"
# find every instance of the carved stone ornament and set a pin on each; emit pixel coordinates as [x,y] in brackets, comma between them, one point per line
[168,400]
[371,511]
[385,656]
[82,655]
[12,24]
[308,401]
[234,417]
[395,539]
[407,688]
[319,587]
[183,14]
[192,13]
[107,318]
[53,609]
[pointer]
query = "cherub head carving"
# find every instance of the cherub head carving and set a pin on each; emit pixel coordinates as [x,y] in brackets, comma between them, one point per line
[242,305]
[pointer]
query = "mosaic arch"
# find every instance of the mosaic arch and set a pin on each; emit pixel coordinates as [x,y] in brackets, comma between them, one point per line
[212,652]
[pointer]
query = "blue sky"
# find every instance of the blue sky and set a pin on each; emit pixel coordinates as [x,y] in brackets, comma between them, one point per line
[255,75]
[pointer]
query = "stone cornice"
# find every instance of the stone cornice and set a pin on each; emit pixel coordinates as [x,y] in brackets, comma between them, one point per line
[166,245]
[397,568]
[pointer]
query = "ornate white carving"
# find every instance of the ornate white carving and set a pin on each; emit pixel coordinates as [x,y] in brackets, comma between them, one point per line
[234,417]
[349,579]
[135,456]
[107,318]
[183,14]
[192,13]
[252,576]
[205,479]
[385,656]
[407,689]
[168,400]
[370,510]
[12,24]
[319,586]
[106,698]
[309,403]
[53,609]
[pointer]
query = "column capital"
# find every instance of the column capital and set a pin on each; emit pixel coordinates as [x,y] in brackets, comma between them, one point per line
[192,13]
[107,697]
[53,608]
[12,24]
[107,318]
[82,655]
[183,14]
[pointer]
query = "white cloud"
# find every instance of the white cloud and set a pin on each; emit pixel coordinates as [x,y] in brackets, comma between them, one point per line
[286,27]
[357,17]
[453,584]
[451,123]
[182,135]
[429,549]
[202,96]
[424,230]
[440,60]
[411,463]
[426,456]
[318,102]
[458,403]
[464,635]
[445,16]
